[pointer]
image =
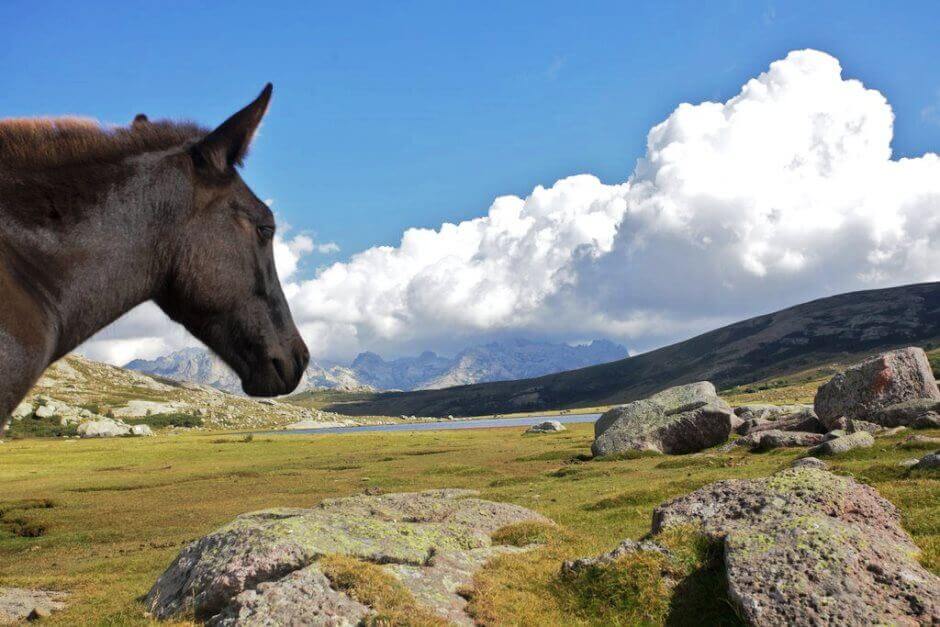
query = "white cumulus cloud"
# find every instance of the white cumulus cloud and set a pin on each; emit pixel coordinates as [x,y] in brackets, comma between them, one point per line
[786,192]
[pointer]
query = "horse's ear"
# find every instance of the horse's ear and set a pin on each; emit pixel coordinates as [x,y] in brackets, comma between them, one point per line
[225,147]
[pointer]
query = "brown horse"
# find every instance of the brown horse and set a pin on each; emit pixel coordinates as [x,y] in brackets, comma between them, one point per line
[94,221]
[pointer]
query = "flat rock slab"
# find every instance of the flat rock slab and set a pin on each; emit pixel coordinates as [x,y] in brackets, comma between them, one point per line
[866,388]
[683,419]
[807,547]
[262,567]
[21,604]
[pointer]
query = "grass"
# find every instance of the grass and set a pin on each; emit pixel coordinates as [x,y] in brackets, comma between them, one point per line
[114,513]
[370,585]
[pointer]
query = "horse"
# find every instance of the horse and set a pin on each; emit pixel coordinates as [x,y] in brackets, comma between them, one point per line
[96,220]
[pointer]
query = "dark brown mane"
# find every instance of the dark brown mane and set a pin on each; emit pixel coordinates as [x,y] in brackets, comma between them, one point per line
[41,143]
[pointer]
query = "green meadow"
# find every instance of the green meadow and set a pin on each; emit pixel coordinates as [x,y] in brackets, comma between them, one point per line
[101,519]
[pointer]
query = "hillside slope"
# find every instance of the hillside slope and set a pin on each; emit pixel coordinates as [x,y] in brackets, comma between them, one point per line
[836,329]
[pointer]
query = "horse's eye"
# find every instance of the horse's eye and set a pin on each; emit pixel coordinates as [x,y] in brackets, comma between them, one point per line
[266,232]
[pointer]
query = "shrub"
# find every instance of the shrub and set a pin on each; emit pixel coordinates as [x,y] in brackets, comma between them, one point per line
[163,421]
[35,427]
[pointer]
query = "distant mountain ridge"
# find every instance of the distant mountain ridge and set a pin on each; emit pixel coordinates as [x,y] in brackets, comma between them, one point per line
[836,329]
[496,361]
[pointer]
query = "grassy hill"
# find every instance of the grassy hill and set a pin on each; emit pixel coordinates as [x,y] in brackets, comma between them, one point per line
[822,334]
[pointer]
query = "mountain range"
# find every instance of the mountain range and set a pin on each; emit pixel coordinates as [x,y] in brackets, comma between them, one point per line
[496,361]
[833,330]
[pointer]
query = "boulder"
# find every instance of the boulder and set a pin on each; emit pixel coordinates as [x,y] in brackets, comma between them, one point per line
[928,461]
[807,547]
[21,604]
[683,419]
[921,412]
[836,446]
[802,419]
[875,384]
[23,410]
[103,428]
[262,568]
[549,426]
[767,440]
[141,430]
[767,411]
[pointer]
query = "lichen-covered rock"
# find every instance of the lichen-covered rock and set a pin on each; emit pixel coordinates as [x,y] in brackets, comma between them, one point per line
[767,440]
[683,419]
[549,426]
[875,384]
[796,418]
[836,446]
[20,604]
[304,597]
[921,412]
[806,547]
[261,561]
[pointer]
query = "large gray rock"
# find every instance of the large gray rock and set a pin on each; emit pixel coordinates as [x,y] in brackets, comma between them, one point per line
[874,384]
[549,426]
[767,440]
[922,413]
[683,419]
[807,547]
[843,444]
[261,569]
[103,428]
[21,604]
[795,418]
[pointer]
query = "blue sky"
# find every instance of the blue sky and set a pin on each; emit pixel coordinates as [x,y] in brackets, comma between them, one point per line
[388,116]
[392,115]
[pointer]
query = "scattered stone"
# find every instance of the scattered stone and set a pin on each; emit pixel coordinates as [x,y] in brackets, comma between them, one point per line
[859,439]
[45,411]
[928,461]
[918,441]
[683,419]
[807,547]
[261,569]
[855,426]
[809,462]
[908,463]
[835,433]
[549,426]
[875,384]
[19,604]
[892,431]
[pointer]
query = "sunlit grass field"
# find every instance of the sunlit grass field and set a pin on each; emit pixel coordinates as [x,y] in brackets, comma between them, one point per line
[101,519]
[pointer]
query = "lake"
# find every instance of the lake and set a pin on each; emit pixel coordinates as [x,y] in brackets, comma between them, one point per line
[482,423]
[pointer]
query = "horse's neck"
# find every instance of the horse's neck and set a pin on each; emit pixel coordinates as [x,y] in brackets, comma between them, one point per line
[88,274]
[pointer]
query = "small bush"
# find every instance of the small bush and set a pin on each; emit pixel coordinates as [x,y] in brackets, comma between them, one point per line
[163,421]
[35,427]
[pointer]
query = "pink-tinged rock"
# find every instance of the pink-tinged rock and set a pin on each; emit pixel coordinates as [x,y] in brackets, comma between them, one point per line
[874,384]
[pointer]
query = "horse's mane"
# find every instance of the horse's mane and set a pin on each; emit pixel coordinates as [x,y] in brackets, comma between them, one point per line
[41,143]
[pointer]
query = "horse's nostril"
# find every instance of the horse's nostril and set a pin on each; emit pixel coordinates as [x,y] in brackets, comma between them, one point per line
[279,368]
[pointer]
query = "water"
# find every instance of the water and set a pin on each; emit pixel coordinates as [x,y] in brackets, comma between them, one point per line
[484,423]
